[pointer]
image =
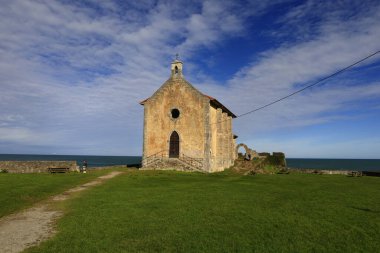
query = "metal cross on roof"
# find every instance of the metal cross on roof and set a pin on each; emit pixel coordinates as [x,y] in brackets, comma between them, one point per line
[177,56]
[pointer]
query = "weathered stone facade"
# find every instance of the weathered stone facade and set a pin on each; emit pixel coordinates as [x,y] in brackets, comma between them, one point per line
[182,123]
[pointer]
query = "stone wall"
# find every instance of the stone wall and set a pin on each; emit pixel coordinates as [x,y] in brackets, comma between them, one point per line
[36,166]
[222,146]
[318,171]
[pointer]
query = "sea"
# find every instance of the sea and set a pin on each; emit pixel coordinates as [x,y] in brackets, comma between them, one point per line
[334,164]
[101,161]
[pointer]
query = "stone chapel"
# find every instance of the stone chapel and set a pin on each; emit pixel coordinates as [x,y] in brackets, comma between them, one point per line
[185,129]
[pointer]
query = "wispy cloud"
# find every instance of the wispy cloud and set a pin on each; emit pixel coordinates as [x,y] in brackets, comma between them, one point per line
[68,67]
[283,70]
[72,73]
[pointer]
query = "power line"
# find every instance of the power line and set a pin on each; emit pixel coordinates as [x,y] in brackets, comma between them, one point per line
[309,86]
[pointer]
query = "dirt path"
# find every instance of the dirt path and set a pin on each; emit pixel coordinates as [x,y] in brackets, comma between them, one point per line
[29,227]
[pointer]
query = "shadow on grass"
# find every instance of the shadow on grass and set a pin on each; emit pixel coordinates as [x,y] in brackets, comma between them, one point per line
[364,209]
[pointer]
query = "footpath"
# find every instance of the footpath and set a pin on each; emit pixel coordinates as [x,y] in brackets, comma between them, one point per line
[31,226]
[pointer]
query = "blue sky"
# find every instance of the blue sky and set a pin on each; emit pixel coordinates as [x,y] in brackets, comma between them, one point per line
[72,72]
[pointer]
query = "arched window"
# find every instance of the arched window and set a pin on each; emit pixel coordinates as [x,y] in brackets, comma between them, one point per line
[176,70]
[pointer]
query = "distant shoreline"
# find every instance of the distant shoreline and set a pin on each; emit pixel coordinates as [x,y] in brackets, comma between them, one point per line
[133,161]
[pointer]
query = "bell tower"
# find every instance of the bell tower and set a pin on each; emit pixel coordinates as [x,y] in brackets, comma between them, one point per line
[176,68]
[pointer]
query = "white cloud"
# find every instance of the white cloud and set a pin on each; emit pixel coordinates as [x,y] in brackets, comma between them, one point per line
[70,71]
[73,75]
[279,72]
[20,135]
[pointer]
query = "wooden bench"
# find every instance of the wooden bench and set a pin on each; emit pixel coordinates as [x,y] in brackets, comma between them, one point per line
[58,170]
[355,174]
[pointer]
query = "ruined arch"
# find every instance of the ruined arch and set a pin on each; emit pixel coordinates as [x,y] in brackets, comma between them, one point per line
[249,153]
[245,148]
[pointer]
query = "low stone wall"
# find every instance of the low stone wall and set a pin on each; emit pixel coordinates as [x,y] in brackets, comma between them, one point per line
[36,166]
[109,167]
[319,171]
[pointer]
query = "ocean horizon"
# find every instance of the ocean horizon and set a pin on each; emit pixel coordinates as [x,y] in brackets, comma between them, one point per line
[101,161]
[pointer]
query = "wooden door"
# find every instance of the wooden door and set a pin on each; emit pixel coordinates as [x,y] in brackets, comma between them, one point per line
[174,145]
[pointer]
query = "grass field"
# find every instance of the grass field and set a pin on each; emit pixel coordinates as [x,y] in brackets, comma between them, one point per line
[18,191]
[188,212]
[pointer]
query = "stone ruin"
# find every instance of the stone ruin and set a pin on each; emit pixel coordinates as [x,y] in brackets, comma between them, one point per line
[249,153]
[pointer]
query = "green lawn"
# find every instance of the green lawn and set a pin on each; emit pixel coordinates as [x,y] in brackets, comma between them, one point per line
[156,211]
[18,191]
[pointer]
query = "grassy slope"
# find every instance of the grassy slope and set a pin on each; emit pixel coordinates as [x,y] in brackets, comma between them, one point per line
[179,212]
[18,191]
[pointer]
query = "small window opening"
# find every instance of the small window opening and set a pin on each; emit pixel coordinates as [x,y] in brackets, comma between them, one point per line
[175,113]
[176,70]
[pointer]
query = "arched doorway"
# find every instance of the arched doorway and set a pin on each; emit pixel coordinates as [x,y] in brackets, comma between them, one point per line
[174,145]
